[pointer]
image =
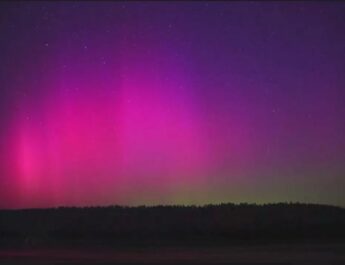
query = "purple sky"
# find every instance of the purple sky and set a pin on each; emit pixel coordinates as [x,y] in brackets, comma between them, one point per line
[168,103]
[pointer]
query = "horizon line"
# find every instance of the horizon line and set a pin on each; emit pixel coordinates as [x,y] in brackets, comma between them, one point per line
[175,205]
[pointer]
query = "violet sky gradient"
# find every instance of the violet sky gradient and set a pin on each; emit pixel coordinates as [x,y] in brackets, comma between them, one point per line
[171,103]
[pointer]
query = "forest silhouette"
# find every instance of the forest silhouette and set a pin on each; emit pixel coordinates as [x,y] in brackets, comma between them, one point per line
[209,224]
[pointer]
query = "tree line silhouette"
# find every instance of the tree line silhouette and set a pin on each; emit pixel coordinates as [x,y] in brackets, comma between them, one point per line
[211,223]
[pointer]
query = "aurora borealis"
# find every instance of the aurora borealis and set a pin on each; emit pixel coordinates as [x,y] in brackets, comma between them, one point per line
[168,103]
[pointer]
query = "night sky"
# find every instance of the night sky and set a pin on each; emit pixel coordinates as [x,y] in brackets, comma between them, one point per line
[137,103]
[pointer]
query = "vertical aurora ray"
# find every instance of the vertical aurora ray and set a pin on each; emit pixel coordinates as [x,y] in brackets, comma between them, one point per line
[102,144]
[163,103]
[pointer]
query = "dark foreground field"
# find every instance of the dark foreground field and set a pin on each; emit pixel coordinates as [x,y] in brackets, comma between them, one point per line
[229,234]
[271,254]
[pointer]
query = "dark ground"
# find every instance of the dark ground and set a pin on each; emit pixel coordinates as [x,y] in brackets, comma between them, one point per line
[296,234]
[271,254]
